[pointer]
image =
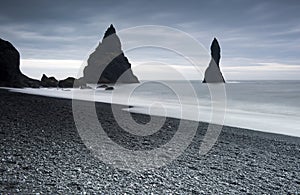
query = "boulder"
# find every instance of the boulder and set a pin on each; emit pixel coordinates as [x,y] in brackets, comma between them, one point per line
[49,81]
[10,74]
[213,73]
[71,82]
[108,64]
[109,88]
[66,83]
[102,86]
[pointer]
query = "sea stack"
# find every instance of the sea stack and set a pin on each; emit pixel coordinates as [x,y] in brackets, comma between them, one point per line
[108,64]
[213,73]
[10,73]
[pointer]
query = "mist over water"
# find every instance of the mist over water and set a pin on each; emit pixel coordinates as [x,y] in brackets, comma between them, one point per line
[270,106]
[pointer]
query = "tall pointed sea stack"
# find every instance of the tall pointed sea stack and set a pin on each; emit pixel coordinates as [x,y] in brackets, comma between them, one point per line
[108,64]
[213,73]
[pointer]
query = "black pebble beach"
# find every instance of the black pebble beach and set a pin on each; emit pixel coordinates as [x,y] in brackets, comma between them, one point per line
[42,153]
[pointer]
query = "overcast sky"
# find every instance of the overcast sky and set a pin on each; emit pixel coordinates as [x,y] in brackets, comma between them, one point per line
[259,39]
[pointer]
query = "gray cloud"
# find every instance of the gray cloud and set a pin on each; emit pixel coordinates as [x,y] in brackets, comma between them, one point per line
[265,31]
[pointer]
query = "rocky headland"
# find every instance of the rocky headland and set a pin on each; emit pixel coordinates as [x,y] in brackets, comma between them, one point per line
[107,64]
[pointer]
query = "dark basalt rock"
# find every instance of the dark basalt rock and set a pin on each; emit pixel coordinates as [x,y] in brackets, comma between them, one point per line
[49,81]
[108,64]
[213,73]
[81,83]
[66,83]
[109,88]
[110,31]
[9,61]
[10,74]
[71,82]
[102,86]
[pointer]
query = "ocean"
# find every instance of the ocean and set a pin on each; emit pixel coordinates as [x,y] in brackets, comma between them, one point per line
[269,106]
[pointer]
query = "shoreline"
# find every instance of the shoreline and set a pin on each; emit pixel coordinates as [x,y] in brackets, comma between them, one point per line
[140,109]
[42,153]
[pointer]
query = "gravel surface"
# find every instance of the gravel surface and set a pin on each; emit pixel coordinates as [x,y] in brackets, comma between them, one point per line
[41,152]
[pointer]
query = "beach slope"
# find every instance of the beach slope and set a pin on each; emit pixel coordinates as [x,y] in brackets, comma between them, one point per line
[41,152]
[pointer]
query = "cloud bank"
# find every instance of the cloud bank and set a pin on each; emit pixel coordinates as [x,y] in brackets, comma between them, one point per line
[259,40]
